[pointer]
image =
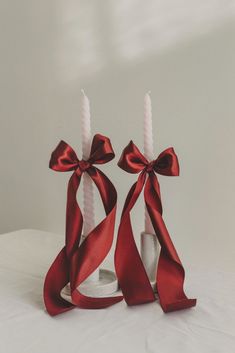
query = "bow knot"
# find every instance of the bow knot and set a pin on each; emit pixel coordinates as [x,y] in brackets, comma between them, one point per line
[149,168]
[82,166]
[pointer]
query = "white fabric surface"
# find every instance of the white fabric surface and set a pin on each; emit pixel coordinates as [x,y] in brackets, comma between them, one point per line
[26,328]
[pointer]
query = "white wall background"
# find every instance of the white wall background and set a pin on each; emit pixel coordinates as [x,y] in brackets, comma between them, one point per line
[184,52]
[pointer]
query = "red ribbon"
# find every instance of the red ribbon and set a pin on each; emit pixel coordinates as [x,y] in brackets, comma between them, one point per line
[131,273]
[75,263]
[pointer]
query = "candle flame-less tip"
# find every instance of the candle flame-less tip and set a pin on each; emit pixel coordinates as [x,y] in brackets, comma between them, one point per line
[147,95]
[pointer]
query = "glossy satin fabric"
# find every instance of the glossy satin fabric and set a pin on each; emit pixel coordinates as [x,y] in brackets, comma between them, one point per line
[75,263]
[130,271]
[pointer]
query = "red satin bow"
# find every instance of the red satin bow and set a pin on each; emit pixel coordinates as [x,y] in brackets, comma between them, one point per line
[75,263]
[131,273]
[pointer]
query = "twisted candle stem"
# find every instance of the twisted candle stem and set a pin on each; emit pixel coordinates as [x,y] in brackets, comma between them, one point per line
[88,196]
[148,129]
[148,148]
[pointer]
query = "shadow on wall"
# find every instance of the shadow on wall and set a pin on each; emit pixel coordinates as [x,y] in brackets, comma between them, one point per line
[93,37]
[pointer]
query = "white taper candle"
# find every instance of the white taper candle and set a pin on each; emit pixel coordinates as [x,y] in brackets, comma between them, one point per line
[148,148]
[88,196]
[149,244]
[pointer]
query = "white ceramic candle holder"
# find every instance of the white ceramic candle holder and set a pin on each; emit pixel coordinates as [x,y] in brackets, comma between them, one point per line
[149,251]
[106,285]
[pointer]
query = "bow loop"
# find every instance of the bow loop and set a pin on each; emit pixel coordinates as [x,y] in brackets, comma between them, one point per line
[63,158]
[101,150]
[167,163]
[132,160]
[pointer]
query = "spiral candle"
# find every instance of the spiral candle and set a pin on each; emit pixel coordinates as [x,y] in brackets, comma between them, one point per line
[88,196]
[148,148]
[149,244]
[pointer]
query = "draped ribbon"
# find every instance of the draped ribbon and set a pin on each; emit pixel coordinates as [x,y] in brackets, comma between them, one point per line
[76,262]
[131,273]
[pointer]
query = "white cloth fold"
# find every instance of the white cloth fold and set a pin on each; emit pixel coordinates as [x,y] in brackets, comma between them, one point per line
[25,327]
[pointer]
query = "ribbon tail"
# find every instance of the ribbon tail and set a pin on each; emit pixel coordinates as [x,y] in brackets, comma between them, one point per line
[170,271]
[131,273]
[58,275]
[95,247]
[56,279]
